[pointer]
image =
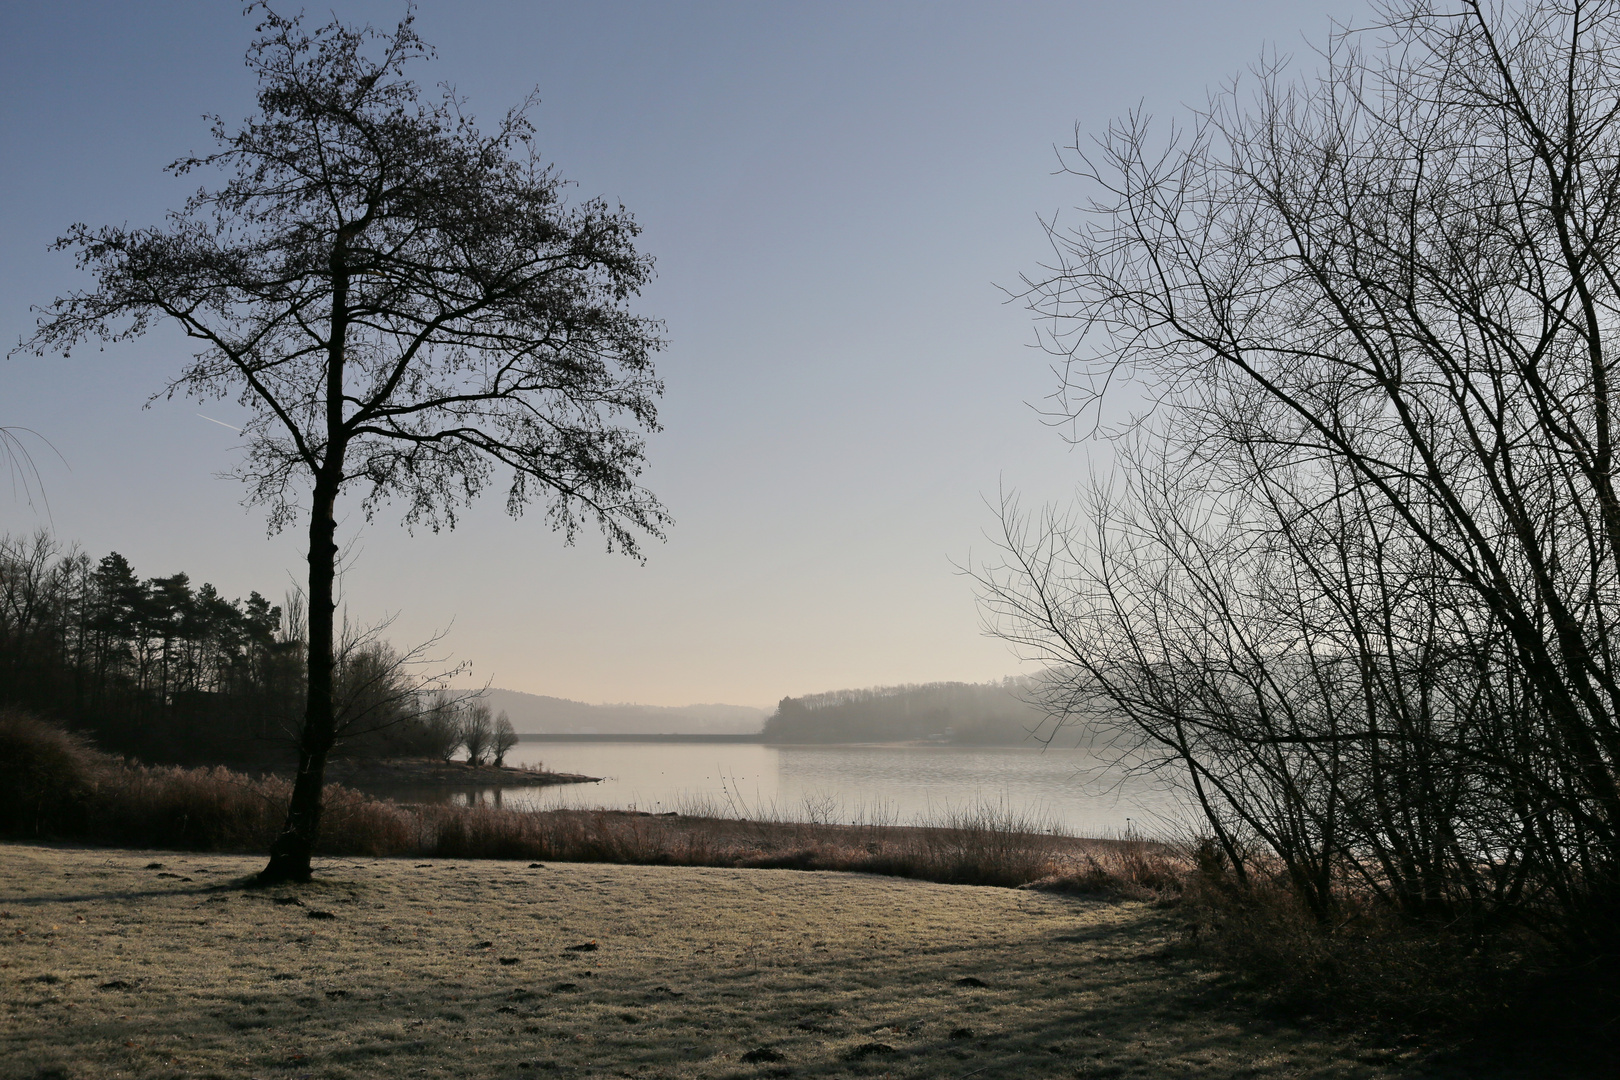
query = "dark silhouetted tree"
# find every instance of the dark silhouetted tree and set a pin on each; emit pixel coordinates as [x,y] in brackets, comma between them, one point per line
[441,724]
[403,305]
[477,732]
[503,739]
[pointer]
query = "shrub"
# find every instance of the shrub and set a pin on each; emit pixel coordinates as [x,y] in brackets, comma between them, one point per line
[1506,1000]
[48,776]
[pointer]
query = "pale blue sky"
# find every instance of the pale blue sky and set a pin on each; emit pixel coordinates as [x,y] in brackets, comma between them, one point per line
[833,192]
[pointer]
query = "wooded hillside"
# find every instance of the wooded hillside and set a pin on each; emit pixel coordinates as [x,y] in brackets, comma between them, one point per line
[986,714]
[538,714]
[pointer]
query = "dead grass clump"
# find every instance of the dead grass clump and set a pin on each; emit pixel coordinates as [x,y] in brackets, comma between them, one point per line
[969,849]
[988,844]
[479,832]
[220,810]
[353,823]
[484,832]
[1122,870]
[53,784]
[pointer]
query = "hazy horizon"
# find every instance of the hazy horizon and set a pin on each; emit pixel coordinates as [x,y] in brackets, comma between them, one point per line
[835,194]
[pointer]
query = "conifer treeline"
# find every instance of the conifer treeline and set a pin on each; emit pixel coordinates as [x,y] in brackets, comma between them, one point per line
[161,670]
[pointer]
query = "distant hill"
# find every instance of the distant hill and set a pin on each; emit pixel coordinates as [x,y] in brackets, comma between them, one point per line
[983,714]
[535,714]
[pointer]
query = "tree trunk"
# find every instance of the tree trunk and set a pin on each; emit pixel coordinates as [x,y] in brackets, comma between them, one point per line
[290,854]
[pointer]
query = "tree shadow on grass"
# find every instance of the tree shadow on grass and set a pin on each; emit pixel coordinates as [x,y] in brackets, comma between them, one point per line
[247,885]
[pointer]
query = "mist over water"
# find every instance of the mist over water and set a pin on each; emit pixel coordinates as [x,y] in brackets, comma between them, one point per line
[1072,790]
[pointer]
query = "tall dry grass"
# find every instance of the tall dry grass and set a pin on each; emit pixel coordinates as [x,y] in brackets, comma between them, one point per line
[220,810]
[982,846]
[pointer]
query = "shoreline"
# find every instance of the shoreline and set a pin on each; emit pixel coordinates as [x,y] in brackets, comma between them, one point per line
[758,739]
[412,772]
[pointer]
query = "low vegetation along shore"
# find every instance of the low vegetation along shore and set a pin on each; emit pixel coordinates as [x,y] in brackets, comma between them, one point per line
[54,786]
[427,772]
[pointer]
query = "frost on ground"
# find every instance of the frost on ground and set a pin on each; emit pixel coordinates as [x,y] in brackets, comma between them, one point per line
[157,964]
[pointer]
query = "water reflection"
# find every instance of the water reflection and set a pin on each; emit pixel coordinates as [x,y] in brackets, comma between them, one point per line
[1071,790]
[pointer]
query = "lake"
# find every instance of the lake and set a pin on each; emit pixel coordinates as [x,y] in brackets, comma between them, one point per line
[1069,789]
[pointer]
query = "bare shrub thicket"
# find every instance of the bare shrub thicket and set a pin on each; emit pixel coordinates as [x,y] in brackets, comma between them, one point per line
[1356,582]
[441,724]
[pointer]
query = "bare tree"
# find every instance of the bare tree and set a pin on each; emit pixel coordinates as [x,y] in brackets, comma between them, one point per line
[503,738]
[439,713]
[404,305]
[1363,583]
[477,732]
[377,689]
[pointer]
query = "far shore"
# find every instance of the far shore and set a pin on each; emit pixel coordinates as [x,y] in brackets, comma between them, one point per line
[670,737]
[758,738]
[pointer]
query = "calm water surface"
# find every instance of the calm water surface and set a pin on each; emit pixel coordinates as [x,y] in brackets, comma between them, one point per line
[1070,789]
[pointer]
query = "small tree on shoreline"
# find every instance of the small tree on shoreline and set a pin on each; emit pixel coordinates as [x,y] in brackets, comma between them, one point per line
[477,732]
[441,713]
[403,304]
[504,738]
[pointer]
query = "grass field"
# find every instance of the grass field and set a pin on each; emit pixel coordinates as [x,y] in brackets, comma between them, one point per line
[115,966]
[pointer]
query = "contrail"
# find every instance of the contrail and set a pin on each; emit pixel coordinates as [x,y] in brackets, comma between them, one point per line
[221,423]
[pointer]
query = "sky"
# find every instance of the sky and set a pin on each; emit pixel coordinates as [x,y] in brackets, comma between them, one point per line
[839,196]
